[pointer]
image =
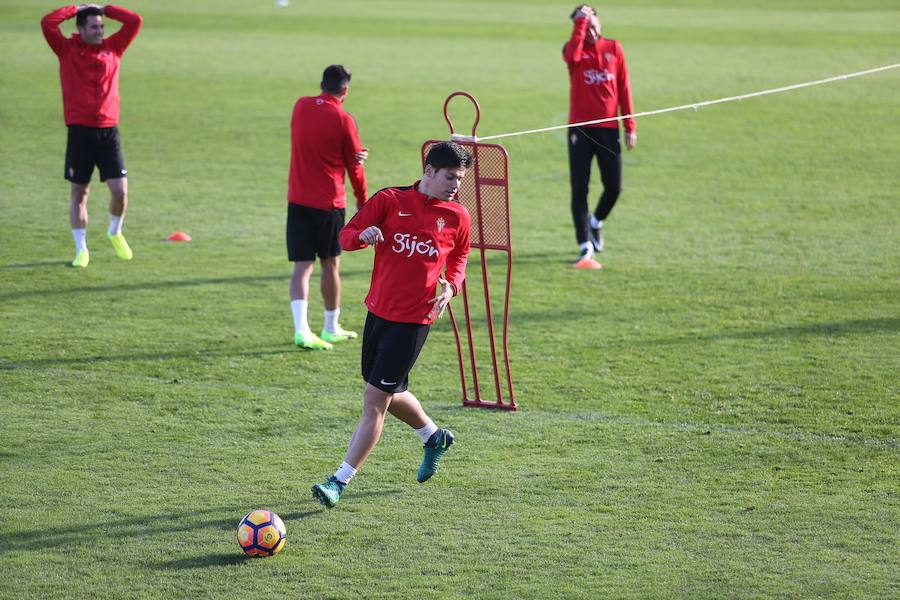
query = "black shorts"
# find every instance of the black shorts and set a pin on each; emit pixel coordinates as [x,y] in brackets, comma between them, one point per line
[89,146]
[312,232]
[389,351]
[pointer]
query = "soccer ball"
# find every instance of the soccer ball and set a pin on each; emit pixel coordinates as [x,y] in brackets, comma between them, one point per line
[261,533]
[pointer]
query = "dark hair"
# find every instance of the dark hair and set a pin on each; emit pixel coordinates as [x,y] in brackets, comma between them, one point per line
[84,13]
[335,79]
[448,155]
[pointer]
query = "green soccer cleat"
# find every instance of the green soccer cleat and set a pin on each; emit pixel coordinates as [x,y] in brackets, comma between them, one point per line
[329,491]
[435,448]
[311,341]
[82,258]
[123,250]
[339,335]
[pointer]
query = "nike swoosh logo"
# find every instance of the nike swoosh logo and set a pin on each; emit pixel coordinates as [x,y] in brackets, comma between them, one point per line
[383,382]
[403,214]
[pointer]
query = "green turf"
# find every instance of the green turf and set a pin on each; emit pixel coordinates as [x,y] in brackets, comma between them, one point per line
[714,414]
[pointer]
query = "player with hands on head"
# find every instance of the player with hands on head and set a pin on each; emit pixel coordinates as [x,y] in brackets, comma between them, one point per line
[89,74]
[417,232]
[599,88]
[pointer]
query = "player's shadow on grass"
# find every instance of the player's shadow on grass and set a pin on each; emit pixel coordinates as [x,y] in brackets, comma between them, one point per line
[828,328]
[831,328]
[142,526]
[144,285]
[165,524]
[37,264]
[124,357]
[202,562]
[221,559]
[152,285]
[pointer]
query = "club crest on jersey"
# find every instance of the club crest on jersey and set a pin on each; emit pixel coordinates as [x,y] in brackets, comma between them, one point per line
[440,224]
[607,56]
[407,244]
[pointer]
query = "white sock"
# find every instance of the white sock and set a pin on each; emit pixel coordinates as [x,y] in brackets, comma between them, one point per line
[426,432]
[344,473]
[298,307]
[331,320]
[587,247]
[80,237]
[115,224]
[596,223]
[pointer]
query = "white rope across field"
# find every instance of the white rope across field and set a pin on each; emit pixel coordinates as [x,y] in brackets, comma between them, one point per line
[697,105]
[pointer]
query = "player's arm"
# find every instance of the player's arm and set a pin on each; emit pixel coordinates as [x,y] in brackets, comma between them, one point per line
[131,25]
[572,50]
[626,105]
[50,26]
[354,157]
[455,269]
[364,229]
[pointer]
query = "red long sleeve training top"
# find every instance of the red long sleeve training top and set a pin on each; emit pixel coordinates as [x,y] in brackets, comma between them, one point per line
[421,236]
[90,74]
[324,142]
[599,87]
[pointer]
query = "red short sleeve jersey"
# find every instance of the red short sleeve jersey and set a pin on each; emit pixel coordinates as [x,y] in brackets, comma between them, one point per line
[324,143]
[599,87]
[422,236]
[89,74]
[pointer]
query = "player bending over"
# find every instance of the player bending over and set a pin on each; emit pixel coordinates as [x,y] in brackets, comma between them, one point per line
[416,230]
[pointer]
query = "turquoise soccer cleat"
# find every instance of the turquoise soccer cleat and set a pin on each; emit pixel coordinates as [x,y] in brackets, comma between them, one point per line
[329,491]
[435,448]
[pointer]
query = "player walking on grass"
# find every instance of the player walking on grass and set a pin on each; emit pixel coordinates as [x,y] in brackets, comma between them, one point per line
[599,88]
[417,231]
[324,143]
[89,72]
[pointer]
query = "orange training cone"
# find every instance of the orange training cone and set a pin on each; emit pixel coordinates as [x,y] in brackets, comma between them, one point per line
[588,263]
[179,236]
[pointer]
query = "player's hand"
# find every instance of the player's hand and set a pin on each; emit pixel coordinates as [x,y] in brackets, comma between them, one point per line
[582,12]
[371,235]
[362,156]
[440,302]
[631,139]
[81,7]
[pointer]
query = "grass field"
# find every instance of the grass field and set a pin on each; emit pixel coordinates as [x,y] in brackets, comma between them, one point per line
[714,414]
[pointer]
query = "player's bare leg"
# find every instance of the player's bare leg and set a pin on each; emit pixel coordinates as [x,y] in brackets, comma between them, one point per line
[303,335]
[118,196]
[118,202]
[368,432]
[371,423]
[408,409]
[78,217]
[331,293]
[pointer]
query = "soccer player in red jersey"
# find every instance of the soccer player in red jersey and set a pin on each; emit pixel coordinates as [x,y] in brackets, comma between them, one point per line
[89,73]
[418,231]
[599,88]
[324,144]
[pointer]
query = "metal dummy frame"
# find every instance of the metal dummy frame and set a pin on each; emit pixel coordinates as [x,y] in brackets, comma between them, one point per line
[489,181]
